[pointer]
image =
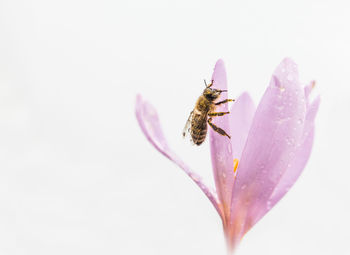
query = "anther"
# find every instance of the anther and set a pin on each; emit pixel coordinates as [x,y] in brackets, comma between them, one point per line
[235,165]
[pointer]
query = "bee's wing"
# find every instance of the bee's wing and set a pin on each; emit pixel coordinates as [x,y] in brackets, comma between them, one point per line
[187,126]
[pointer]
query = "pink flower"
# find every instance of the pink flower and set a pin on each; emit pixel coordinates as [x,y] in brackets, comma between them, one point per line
[269,147]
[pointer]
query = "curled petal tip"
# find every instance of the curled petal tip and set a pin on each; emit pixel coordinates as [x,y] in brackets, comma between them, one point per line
[313,83]
[309,88]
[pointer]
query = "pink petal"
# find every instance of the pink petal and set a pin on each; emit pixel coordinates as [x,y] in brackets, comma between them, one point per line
[220,146]
[301,157]
[150,125]
[308,88]
[276,128]
[241,116]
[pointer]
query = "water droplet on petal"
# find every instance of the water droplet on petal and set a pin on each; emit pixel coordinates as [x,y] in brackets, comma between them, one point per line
[268,205]
[290,141]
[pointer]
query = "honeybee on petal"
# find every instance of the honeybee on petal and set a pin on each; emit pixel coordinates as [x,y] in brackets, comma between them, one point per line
[201,116]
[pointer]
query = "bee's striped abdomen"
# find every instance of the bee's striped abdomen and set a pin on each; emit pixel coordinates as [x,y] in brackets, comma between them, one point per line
[198,127]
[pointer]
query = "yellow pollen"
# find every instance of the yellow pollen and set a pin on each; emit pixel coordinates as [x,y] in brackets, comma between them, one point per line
[235,165]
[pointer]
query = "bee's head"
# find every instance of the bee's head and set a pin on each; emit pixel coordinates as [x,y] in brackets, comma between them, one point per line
[211,94]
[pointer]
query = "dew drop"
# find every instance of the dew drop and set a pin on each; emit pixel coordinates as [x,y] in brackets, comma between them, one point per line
[268,205]
[290,141]
[243,186]
[220,158]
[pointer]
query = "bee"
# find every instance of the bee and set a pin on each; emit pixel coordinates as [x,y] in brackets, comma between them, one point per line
[202,114]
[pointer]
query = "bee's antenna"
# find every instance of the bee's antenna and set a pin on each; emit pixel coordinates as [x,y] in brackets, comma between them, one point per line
[211,84]
[205,82]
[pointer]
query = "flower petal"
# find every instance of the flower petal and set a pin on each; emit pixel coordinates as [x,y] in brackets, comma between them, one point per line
[307,90]
[301,157]
[276,128]
[148,120]
[220,146]
[241,116]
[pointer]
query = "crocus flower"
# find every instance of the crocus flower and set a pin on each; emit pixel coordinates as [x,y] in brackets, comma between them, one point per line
[269,147]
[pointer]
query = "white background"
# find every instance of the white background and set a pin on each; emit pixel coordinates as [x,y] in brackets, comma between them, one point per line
[77,175]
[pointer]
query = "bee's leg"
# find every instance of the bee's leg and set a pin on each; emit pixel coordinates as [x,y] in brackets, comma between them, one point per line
[220,90]
[224,101]
[217,129]
[212,114]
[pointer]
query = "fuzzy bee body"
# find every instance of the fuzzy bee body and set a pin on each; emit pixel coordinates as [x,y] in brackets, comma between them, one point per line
[199,120]
[201,116]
